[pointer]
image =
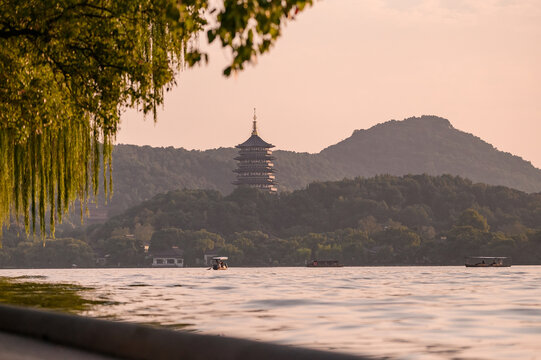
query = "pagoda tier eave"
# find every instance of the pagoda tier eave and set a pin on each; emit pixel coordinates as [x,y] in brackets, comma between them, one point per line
[263,158]
[265,171]
[271,188]
[255,182]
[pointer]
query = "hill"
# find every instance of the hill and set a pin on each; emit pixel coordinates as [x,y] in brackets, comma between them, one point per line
[413,219]
[430,145]
[385,220]
[411,200]
[425,145]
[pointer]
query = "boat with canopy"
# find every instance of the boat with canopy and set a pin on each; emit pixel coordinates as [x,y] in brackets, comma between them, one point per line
[487,261]
[219,263]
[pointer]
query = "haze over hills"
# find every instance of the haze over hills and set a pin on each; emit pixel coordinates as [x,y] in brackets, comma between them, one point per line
[418,145]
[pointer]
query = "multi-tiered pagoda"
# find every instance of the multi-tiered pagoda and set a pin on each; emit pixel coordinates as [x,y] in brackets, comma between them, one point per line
[255,167]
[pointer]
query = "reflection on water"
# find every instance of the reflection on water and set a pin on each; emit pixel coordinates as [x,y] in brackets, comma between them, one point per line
[400,312]
[23,290]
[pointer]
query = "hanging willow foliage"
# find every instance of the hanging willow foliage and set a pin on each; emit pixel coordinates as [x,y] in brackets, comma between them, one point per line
[68,68]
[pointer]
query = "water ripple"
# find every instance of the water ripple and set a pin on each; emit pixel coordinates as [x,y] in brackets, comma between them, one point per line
[390,312]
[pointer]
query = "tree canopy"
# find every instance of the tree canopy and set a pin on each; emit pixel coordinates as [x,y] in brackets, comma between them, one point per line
[68,68]
[386,220]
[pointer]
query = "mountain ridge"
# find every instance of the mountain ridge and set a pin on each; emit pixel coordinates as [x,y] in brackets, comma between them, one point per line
[416,145]
[429,140]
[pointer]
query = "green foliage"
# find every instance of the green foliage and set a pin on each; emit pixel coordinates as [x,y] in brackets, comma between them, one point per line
[52,254]
[165,239]
[143,233]
[65,297]
[432,220]
[68,68]
[250,27]
[122,251]
[383,220]
[470,217]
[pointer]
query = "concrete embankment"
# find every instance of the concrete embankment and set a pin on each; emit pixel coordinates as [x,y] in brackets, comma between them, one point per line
[28,334]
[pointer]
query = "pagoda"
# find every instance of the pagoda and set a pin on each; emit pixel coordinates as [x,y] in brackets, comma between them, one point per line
[255,167]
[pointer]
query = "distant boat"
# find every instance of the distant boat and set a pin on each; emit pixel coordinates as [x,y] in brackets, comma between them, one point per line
[487,261]
[218,263]
[324,263]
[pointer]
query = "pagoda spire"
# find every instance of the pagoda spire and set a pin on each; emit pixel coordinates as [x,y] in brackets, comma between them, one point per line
[254,131]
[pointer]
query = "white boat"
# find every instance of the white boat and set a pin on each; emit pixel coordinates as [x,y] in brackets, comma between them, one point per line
[218,263]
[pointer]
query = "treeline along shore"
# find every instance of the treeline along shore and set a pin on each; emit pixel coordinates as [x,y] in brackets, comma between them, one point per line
[384,220]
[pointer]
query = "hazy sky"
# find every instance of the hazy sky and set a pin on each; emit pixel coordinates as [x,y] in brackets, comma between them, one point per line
[350,64]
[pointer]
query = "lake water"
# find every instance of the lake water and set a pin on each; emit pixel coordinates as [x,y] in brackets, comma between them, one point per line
[399,312]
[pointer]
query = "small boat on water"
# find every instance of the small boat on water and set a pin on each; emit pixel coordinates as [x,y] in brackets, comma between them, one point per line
[218,263]
[324,263]
[487,261]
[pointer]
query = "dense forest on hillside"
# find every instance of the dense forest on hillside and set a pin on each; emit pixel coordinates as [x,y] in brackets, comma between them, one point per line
[414,219]
[425,145]
[142,172]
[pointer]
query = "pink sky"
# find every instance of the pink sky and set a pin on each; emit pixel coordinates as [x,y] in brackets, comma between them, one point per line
[350,64]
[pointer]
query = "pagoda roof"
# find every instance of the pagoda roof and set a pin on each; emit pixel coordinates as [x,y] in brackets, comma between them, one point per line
[255,141]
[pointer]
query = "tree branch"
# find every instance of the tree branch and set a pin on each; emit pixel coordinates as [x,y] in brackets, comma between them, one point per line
[9,33]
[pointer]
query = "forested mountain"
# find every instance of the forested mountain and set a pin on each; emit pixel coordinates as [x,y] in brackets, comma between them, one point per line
[425,145]
[141,172]
[430,145]
[414,219]
[414,201]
